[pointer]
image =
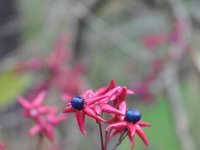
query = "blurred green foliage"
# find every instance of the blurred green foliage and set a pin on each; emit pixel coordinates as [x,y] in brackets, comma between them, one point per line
[11,85]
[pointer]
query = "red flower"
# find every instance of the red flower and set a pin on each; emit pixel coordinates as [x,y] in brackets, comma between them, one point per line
[112,90]
[142,90]
[129,124]
[32,64]
[116,93]
[46,125]
[44,116]
[35,108]
[100,107]
[52,63]
[59,55]
[82,105]
[2,146]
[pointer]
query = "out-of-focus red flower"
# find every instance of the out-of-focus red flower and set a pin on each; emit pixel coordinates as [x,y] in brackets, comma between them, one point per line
[130,124]
[142,90]
[60,54]
[152,41]
[46,125]
[82,105]
[2,146]
[31,65]
[69,80]
[66,77]
[178,39]
[35,108]
[44,116]
[53,63]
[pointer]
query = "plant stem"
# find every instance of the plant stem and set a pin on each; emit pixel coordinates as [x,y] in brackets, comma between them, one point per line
[106,139]
[121,138]
[40,142]
[101,135]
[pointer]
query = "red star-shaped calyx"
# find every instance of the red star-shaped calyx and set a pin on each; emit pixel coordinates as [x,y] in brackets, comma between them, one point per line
[83,105]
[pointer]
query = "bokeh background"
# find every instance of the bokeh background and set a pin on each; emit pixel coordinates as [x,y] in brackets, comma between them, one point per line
[151,46]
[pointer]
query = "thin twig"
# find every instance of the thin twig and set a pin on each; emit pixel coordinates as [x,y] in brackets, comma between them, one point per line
[121,138]
[101,134]
[40,142]
[119,39]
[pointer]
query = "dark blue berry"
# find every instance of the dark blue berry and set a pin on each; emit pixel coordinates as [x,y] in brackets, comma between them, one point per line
[77,102]
[133,115]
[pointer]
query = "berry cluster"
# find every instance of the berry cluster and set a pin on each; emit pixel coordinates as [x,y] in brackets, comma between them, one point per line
[109,100]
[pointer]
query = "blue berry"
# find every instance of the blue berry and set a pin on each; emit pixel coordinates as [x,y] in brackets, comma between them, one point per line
[77,102]
[133,115]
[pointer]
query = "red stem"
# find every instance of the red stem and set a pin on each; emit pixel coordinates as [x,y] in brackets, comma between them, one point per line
[106,139]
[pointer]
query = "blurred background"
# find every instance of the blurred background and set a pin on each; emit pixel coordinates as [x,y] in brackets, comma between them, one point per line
[150,46]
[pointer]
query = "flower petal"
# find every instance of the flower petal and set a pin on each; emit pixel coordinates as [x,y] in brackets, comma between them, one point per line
[95,99]
[142,135]
[101,91]
[39,99]
[113,91]
[87,94]
[130,92]
[92,114]
[123,109]
[24,102]
[48,130]
[57,119]
[112,84]
[144,124]
[118,125]
[69,109]
[47,109]
[131,128]
[114,132]
[97,109]
[110,109]
[123,94]
[80,117]
[34,130]
[132,140]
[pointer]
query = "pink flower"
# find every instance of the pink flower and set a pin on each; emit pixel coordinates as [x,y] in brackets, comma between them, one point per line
[44,116]
[130,124]
[31,65]
[116,93]
[2,146]
[35,108]
[69,80]
[46,125]
[142,90]
[112,90]
[59,56]
[82,105]
[56,59]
